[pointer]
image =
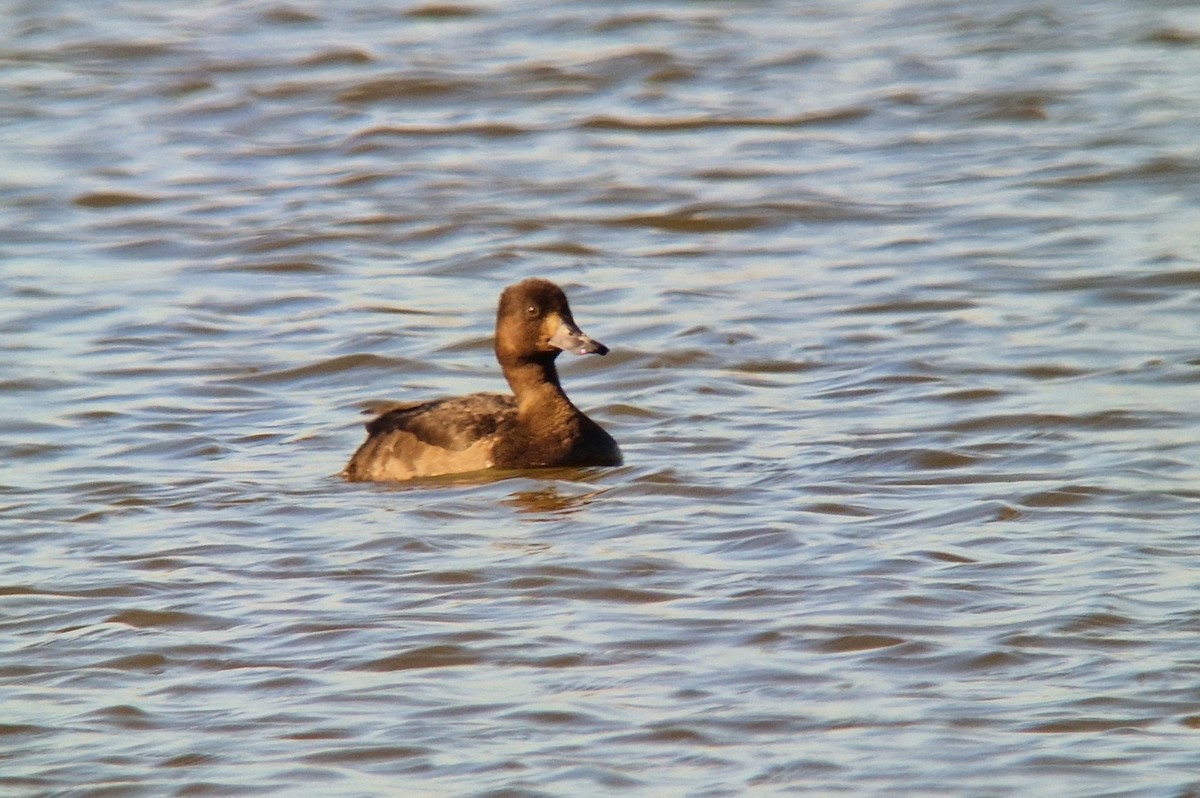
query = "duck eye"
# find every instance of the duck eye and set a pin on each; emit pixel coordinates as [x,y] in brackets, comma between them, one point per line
[531,311]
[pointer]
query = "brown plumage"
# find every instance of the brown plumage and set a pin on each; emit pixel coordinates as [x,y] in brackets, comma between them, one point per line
[535,427]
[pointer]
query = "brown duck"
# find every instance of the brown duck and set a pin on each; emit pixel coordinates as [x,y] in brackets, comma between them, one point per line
[536,427]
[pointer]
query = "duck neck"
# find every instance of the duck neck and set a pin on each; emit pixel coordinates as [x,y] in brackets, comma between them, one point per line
[535,384]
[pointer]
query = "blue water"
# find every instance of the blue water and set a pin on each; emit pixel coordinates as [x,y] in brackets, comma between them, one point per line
[902,298]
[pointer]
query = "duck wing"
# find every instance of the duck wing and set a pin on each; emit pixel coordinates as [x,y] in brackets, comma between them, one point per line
[454,423]
[424,439]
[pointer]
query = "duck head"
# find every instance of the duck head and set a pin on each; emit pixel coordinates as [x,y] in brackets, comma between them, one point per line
[534,323]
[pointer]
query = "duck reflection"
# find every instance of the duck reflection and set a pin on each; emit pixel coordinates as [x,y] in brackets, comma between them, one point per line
[550,499]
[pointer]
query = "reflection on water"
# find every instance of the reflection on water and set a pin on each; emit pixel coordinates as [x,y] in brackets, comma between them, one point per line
[551,501]
[902,302]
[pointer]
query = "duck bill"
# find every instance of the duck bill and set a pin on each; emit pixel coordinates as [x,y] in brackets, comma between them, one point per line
[570,338]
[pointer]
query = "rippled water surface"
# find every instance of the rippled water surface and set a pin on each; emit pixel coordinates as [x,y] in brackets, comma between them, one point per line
[903,300]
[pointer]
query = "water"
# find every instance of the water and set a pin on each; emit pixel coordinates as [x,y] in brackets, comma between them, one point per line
[903,303]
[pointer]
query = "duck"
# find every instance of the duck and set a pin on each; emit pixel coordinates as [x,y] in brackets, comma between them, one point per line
[536,426]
